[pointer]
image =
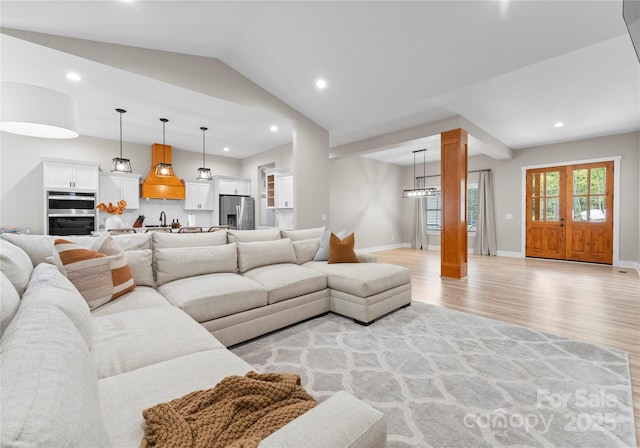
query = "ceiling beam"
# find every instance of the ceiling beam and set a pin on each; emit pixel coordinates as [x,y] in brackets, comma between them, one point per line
[492,147]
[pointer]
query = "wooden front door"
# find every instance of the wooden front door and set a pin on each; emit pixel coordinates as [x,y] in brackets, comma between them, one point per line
[570,212]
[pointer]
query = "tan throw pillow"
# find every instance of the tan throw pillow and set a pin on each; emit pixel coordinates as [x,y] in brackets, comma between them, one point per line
[342,251]
[99,276]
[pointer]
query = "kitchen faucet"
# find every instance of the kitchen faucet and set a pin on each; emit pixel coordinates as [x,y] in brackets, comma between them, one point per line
[163,219]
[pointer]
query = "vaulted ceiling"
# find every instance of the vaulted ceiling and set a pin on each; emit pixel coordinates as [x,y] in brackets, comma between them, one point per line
[513,68]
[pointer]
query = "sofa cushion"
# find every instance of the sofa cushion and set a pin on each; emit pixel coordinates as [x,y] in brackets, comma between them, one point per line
[306,249]
[125,396]
[140,298]
[37,247]
[100,276]
[176,263]
[48,284]
[323,250]
[162,240]
[49,387]
[247,236]
[286,281]
[40,247]
[9,302]
[299,235]
[133,241]
[342,250]
[263,253]
[362,279]
[212,296]
[15,264]
[132,339]
[141,264]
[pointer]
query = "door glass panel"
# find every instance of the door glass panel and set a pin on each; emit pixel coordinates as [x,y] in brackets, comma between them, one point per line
[580,184]
[535,209]
[580,209]
[598,180]
[553,183]
[597,209]
[553,209]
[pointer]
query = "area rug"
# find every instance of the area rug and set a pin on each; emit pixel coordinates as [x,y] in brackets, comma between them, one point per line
[449,379]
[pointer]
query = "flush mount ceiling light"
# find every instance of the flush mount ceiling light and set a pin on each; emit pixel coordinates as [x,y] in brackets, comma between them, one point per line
[204,173]
[559,124]
[321,84]
[37,112]
[164,169]
[274,128]
[225,149]
[419,192]
[119,164]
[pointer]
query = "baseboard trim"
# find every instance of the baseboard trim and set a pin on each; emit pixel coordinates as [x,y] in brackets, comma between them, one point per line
[380,248]
[508,253]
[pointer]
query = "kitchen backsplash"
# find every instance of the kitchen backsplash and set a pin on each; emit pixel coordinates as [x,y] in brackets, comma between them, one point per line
[151,209]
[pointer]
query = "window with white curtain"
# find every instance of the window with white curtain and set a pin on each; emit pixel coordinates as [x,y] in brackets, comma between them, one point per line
[433,207]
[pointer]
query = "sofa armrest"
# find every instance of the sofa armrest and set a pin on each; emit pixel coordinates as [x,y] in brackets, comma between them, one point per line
[366,257]
[340,421]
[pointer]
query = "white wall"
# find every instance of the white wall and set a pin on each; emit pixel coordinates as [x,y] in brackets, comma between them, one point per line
[366,198]
[21,183]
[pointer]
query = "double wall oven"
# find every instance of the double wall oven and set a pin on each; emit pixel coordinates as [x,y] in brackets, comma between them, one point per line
[71,212]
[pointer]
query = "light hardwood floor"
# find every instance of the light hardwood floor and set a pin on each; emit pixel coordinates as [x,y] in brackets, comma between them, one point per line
[593,303]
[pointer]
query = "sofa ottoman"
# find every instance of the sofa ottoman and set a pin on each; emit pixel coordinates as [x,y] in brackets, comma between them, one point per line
[365,291]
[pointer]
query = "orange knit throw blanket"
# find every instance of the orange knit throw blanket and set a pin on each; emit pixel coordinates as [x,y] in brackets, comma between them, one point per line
[238,412]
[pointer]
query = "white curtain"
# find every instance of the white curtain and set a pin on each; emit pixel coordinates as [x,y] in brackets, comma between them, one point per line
[419,237]
[486,226]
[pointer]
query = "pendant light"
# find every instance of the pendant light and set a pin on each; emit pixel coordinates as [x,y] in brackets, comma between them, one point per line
[204,173]
[119,164]
[37,112]
[419,192]
[164,169]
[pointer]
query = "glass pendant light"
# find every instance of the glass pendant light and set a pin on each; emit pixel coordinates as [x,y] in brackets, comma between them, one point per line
[204,173]
[119,164]
[164,169]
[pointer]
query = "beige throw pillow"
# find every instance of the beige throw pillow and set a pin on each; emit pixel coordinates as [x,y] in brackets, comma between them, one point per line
[99,276]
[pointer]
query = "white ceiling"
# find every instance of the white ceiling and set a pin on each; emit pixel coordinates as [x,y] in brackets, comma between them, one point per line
[513,68]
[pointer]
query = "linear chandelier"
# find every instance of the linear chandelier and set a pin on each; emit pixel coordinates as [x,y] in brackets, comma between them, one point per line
[419,192]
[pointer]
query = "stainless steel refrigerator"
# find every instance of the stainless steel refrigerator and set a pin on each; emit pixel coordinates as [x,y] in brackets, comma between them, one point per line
[237,212]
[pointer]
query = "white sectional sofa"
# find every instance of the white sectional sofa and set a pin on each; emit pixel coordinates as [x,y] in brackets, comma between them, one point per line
[75,377]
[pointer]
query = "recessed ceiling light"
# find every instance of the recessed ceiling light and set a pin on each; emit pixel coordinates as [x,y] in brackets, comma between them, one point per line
[559,124]
[274,128]
[73,76]
[226,149]
[321,83]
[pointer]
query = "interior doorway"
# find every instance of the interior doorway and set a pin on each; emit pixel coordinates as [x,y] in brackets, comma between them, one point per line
[569,212]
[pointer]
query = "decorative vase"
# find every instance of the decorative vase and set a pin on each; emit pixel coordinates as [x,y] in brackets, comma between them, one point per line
[113,222]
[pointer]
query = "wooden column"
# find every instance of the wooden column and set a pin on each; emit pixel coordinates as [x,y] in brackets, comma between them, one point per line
[453,235]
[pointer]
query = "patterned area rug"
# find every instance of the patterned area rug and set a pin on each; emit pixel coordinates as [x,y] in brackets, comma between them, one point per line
[450,379]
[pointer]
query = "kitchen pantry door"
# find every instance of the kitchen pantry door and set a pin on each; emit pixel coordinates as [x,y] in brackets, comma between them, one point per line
[570,212]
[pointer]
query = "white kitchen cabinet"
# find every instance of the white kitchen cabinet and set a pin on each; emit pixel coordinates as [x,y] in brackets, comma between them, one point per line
[115,186]
[199,196]
[234,186]
[71,175]
[284,190]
